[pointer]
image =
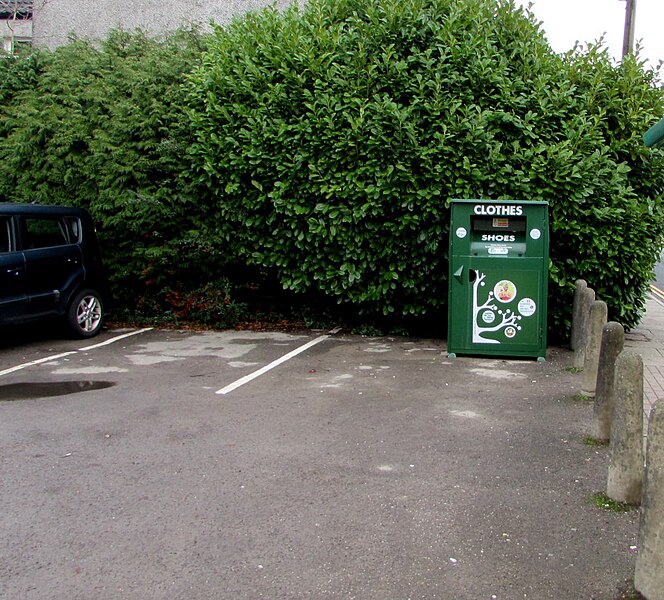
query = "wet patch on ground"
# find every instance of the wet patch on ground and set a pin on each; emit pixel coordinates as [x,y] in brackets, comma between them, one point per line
[28,391]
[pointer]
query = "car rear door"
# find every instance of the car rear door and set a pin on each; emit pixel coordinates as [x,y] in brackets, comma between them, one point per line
[53,262]
[13,294]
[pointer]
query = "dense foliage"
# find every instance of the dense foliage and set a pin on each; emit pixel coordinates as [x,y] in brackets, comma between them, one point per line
[332,141]
[103,127]
[320,148]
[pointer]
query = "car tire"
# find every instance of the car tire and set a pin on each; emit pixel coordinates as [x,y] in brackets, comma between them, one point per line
[85,314]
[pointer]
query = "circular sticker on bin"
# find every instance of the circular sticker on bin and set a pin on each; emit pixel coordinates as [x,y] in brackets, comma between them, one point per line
[504,291]
[461,232]
[510,332]
[488,316]
[535,234]
[527,307]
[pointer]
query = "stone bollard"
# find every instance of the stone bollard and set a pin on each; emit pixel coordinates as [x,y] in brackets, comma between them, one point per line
[586,301]
[626,461]
[579,289]
[613,339]
[596,322]
[649,574]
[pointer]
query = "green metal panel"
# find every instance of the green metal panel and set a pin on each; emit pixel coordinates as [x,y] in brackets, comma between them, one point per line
[499,258]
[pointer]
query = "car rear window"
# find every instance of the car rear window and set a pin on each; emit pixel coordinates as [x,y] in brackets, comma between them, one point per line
[42,232]
[5,240]
[74,228]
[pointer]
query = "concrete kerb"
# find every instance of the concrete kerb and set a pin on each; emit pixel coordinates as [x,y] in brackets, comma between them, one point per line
[649,574]
[625,475]
[586,299]
[621,374]
[613,340]
[579,289]
[596,322]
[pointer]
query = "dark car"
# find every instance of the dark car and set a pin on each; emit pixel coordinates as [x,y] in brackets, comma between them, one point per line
[51,266]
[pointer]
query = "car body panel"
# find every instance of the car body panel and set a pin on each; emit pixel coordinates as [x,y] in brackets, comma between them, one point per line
[47,255]
[13,296]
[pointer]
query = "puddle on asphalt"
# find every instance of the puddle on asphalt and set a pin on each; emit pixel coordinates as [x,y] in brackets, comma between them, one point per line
[26,391]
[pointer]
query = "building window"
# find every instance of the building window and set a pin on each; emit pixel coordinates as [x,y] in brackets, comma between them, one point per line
[15,9]
[22,47]
[16,26]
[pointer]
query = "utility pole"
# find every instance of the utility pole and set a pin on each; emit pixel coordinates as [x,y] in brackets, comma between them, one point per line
[628,37]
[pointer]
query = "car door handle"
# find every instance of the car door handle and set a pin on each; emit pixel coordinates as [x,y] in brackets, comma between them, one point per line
[13,271]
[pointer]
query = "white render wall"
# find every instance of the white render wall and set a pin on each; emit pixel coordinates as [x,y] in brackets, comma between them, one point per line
[54,20]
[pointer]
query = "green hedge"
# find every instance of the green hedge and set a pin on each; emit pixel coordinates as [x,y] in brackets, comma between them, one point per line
[332,140]
[320,149]
[103,127]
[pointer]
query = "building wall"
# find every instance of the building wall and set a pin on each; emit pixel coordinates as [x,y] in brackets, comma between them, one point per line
[55,20]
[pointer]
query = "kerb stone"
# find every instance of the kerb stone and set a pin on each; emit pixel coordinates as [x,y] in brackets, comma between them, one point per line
[587,298]
[579,289]
[649,574]
[613,340]
[597,320]
[625,477]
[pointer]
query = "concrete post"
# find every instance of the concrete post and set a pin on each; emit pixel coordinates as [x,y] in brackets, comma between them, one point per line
[579,289]
[586,301]
[626,462]
[649,575]
[597,320]
[613,339]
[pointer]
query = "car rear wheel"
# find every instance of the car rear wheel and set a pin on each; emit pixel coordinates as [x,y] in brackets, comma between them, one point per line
[86,314]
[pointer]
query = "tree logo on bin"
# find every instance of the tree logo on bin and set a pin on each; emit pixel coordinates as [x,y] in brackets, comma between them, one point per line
[505,319]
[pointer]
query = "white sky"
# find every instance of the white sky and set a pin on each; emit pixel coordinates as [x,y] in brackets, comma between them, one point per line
[566,21]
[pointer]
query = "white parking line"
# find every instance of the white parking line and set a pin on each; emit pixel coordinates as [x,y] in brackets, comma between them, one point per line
[275,363]
[63,354]
[115,339]
[36,362]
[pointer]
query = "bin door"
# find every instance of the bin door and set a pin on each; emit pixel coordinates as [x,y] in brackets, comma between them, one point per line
[496,310]
[505,306]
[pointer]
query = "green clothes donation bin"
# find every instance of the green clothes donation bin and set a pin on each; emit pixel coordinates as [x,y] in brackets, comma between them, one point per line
[499,261]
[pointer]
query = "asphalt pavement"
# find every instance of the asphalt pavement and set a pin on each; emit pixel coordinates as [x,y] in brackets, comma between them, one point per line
[247,465]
